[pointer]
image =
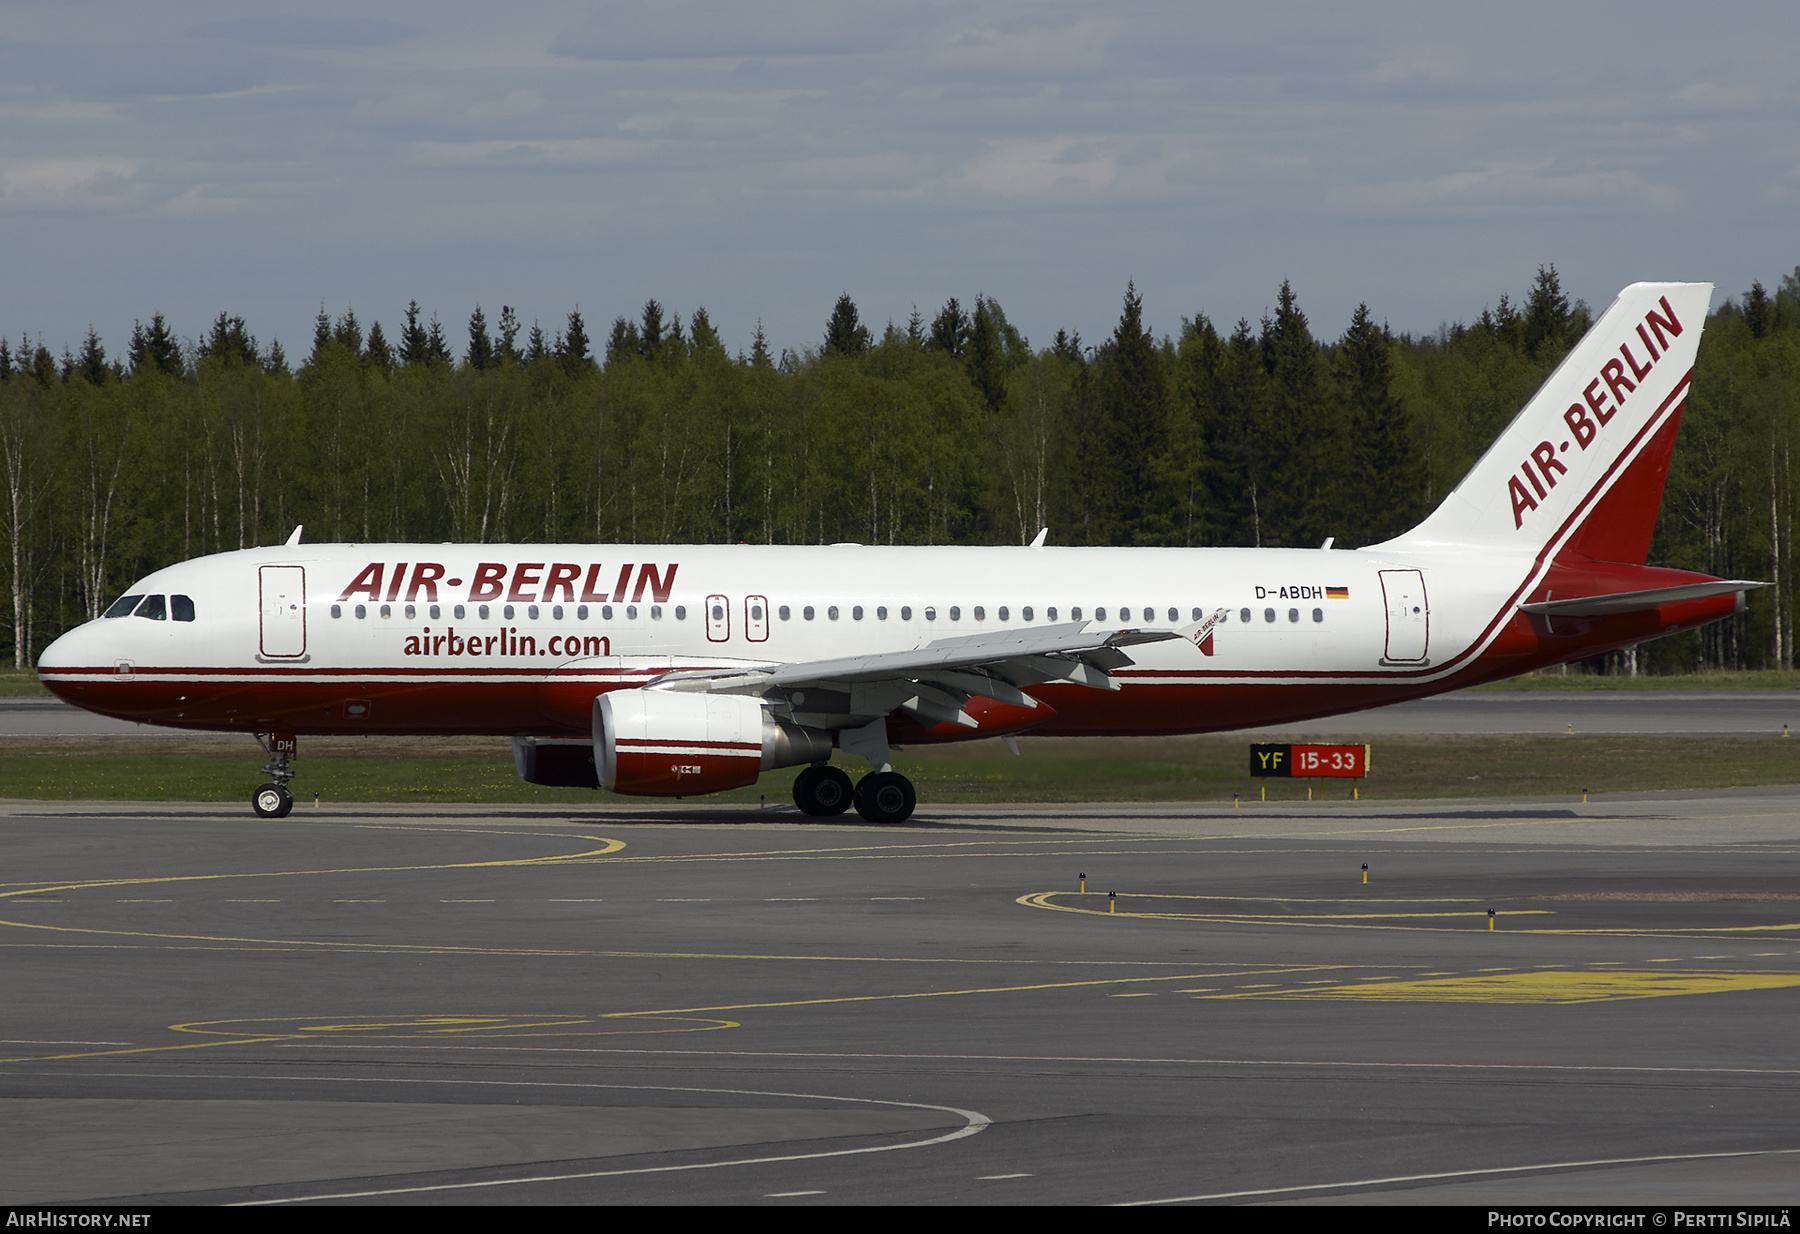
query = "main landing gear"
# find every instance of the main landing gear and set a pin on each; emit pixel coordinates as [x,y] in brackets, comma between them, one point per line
[881,796]
[273,800]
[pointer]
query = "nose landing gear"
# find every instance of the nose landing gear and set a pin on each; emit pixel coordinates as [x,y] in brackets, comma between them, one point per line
[273,800]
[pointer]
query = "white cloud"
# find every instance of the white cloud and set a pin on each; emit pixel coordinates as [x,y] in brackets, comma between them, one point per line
[43,181]
[1015,168]
[565,152]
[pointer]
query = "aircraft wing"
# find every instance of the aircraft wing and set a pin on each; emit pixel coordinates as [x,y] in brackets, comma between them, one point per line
[935,680]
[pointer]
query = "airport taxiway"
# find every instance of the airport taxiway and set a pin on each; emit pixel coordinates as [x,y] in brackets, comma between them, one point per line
[429,1005]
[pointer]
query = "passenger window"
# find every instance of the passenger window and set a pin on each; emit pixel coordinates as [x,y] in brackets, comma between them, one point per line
[154,608]
[123,605]
[181,607]
[1050,613]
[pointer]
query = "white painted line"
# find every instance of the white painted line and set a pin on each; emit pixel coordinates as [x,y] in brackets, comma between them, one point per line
[1422,1178]
[975,1123]
[782,1195]
[994,1178]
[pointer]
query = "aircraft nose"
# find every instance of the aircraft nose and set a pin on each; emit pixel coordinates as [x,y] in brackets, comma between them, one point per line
[84,647]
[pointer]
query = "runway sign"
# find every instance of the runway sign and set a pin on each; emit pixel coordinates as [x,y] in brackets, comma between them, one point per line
[1295,761]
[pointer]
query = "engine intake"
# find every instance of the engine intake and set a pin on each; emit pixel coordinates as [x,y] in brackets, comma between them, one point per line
[657,743]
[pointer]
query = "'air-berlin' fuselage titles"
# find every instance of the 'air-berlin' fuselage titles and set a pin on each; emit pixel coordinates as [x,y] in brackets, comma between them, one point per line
[680,670]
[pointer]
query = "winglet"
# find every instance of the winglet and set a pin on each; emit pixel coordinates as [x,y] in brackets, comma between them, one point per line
[294,540]
[1042,535]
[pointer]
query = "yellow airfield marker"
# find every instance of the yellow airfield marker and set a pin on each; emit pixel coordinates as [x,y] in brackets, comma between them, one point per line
[1490,921]
[1082,885]
[1365,874]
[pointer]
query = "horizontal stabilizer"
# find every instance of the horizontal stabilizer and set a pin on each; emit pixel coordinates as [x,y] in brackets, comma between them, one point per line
[1637,601]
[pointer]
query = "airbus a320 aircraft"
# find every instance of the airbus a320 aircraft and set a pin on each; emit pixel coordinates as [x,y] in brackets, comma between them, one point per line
[672,671]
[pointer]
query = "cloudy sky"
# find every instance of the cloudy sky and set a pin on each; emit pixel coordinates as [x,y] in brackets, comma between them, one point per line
[760,158]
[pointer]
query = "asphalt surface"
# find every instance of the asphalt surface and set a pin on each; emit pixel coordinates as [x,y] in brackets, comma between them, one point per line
[1674,712]
[466,1006]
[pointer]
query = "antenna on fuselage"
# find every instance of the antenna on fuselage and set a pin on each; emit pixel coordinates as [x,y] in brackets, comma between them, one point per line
[295,538]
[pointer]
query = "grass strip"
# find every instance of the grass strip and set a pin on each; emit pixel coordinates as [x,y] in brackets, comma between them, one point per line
[1199,769]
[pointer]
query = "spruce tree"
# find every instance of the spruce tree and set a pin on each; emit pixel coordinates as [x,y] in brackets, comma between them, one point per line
[574,352]
[415,346]
[480,354]
[348,331]
[230,340]
[621,344]
[91,363]
[321,333]
[377,354]
[949,329]
[984,358]
[1386,482]
[1545,330]
[509,334]
[1133,432]
[1758,310]
[650,333]
[437,347]
[845,335]
[153,348]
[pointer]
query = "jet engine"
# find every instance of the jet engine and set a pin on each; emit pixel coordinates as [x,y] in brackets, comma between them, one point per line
[659,743]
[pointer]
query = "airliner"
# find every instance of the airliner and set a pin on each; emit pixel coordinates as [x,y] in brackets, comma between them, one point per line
[681,670]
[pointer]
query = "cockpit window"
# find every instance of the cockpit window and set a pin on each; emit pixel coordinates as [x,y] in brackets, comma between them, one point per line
[123,605]
[153,608]
[181,608]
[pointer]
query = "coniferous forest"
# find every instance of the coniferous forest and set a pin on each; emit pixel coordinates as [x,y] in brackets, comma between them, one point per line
[945,429]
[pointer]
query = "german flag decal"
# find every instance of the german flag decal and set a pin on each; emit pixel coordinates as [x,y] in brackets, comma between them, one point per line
[1337,593]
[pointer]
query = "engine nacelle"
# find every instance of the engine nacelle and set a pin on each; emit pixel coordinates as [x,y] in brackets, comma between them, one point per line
[658,743]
